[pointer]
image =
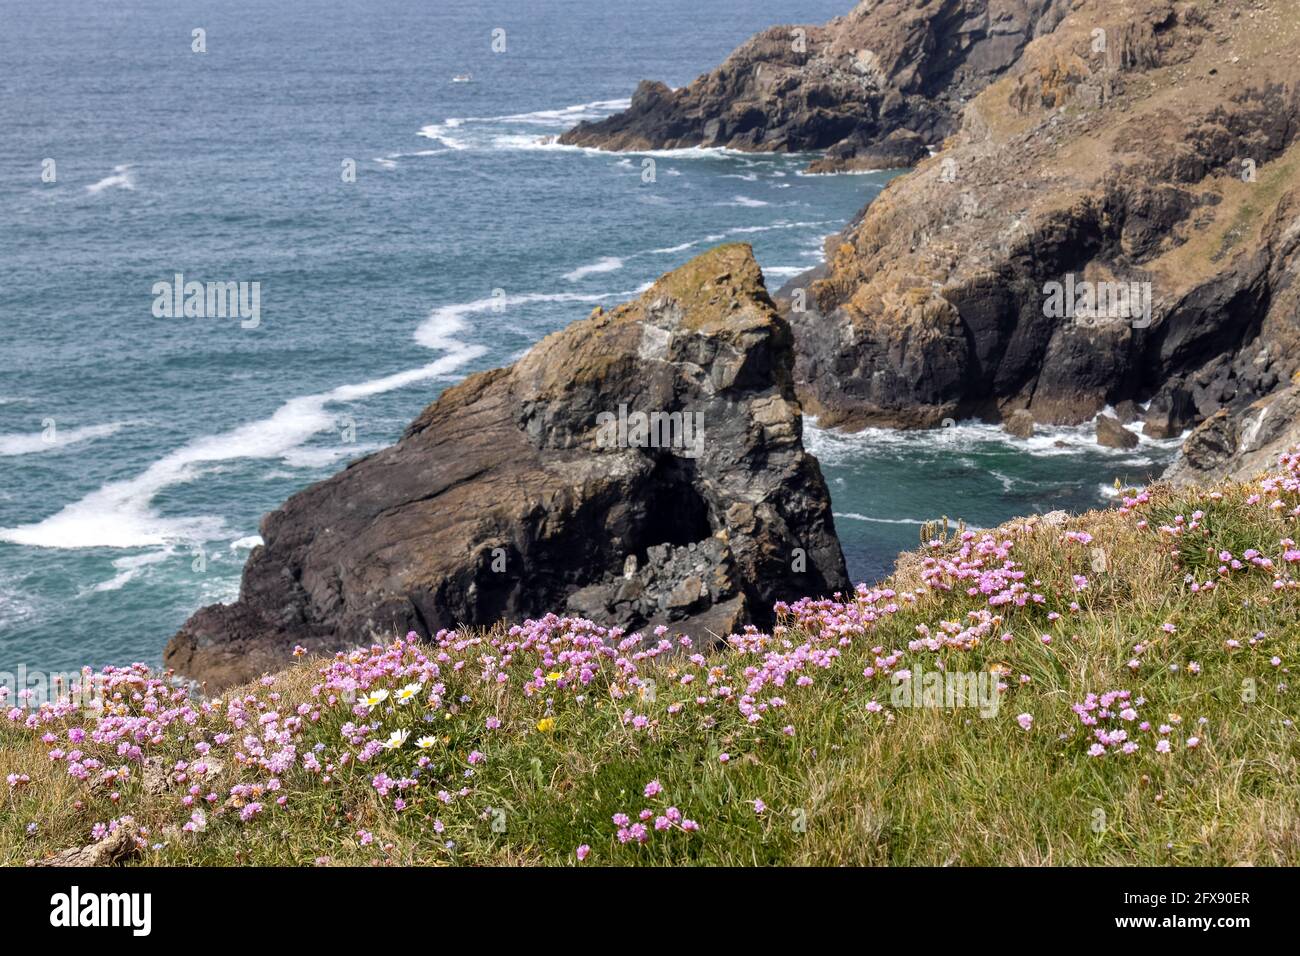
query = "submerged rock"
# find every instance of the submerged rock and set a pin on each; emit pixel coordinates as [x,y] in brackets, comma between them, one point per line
[1111,434]
[540,487]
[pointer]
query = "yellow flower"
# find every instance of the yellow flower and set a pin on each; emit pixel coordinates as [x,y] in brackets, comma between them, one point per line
[546,724]
[553,676]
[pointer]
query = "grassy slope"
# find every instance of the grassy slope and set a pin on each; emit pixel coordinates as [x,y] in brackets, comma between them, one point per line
[895,786]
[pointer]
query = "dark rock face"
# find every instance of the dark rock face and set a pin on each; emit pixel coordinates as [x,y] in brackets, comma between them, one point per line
[899,149]
[1240,443]
[533,488]
[1111,434]
[888,65]
[1112,169]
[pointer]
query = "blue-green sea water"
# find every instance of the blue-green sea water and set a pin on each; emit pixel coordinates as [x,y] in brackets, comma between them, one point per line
[138,453]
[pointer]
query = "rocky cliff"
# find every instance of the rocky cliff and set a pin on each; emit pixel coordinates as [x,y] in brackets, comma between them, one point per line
[642,466]
[873,87]
[1117,218]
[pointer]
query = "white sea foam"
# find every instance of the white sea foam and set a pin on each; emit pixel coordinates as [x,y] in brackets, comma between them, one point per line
[745,201]
[837,447]
[783,272]
[861,517]
[246,543]
[606,264]
[131,567]
[309,456]
[435,327]
[16,606]
[121,178]
[120,514]
[493,133]
[748,230]
[27,444]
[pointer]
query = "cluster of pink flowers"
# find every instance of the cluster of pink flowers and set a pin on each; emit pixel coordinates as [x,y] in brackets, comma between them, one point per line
[1111,715]
[380,711]
[648,821]
[985,566]
[1278,492]
[1115,722]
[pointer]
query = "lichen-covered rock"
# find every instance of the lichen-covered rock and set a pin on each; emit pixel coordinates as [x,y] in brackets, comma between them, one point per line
[117,847]
[1147,161]
[534,488]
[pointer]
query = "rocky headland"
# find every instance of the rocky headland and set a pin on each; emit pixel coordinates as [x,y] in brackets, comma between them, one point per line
[872,88]
[536,488]
[1142,151]
[1146,147]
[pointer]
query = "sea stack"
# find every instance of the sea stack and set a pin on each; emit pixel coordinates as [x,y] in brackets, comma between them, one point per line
[565,483]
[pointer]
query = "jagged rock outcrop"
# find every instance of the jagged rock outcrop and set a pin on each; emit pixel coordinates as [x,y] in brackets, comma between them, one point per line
[1141,154]
[1240,443]
[534,488]
[888,66]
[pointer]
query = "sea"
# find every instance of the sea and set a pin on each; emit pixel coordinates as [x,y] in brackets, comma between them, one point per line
[386,173]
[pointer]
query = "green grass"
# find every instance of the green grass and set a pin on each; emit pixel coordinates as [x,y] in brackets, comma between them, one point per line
[902,786]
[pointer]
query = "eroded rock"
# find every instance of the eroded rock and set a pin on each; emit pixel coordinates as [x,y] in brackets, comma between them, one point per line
[888,67]
[530,489]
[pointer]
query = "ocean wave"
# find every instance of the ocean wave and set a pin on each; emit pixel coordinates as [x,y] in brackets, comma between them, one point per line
[491,134]
[447,319]
[749,230]
[564,116]
[16,606]
[27,444]
[120,514]
[861,517]
[605,264]
[121,178]
[313,457]
[783,272]
[968,436]
[131,567]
